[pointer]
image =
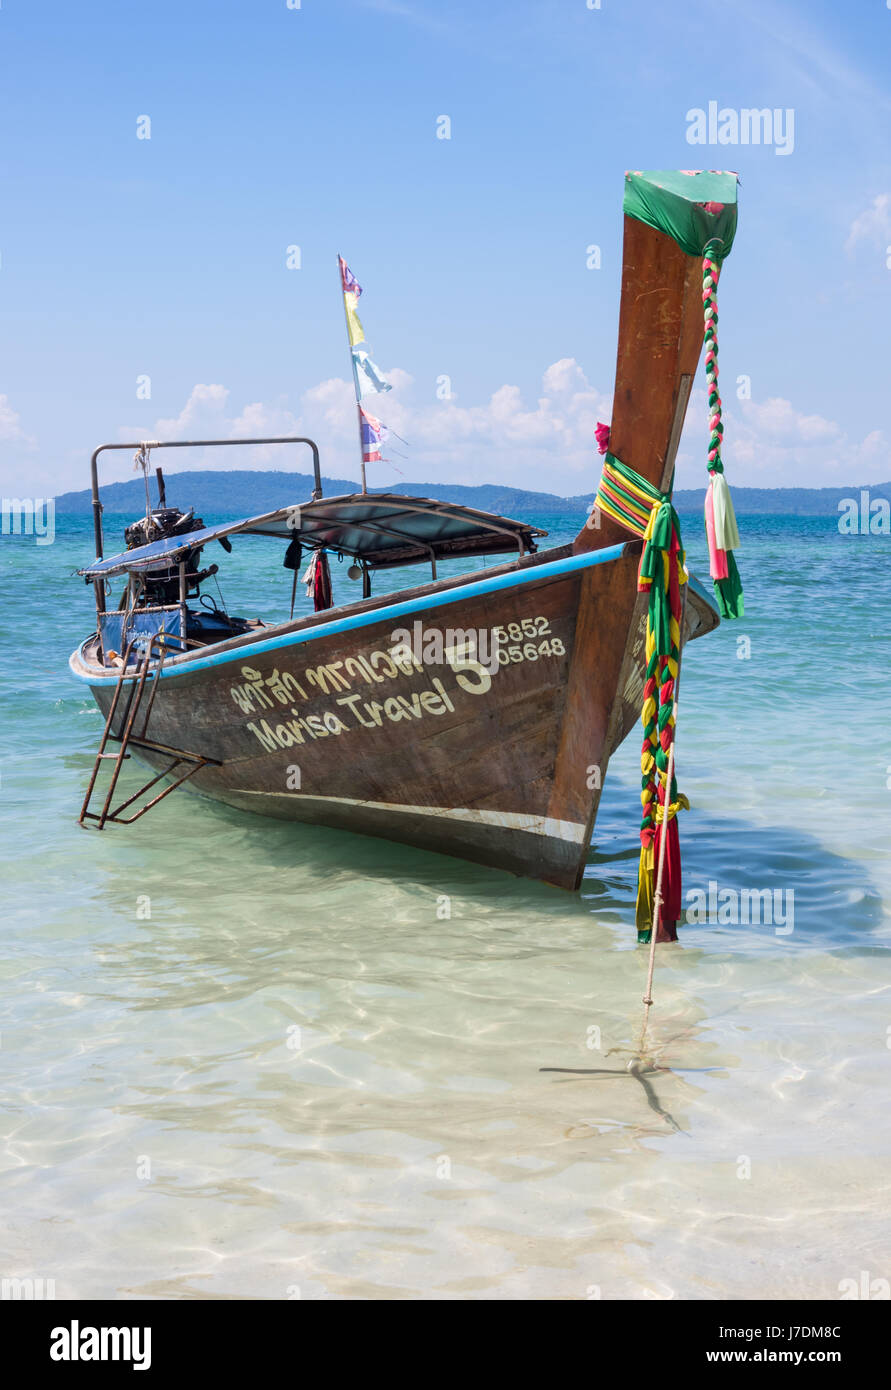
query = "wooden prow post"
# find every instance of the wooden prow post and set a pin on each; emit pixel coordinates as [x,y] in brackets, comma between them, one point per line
[660,339]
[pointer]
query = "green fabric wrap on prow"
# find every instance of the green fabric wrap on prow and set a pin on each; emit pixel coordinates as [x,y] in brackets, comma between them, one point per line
[697,209]
[729,591]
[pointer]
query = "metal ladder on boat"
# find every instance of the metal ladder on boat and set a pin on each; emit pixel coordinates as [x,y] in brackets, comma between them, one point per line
[126,738]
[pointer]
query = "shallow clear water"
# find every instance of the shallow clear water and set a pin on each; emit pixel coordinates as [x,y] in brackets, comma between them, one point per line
[246,1059]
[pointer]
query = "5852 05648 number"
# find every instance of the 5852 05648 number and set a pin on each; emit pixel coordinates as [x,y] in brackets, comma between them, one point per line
[518,641]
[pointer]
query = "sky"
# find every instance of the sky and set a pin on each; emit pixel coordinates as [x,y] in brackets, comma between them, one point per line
[276,125]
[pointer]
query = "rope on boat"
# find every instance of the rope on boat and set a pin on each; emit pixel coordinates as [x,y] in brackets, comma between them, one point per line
[663,576]
[141,460]
[710,273]
[637,504]
[721,529]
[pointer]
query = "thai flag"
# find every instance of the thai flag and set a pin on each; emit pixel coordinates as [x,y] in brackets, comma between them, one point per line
[348,280]
[374,434]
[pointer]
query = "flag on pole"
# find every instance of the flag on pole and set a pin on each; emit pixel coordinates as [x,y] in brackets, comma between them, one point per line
[348,280]
[354,324]
[374,434]
[367,376]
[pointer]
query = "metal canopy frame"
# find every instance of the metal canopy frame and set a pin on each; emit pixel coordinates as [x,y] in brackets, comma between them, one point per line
[435,509]
[393,505]
[321,523]
[182,444]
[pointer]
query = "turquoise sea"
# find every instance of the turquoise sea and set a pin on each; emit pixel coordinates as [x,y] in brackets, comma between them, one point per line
[241,1059]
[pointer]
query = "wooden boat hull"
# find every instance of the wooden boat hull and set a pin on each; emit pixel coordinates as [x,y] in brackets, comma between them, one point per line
[336,723]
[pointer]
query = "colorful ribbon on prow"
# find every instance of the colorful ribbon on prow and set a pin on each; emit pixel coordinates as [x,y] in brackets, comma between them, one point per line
[661,576]
[630,499]
[720,518]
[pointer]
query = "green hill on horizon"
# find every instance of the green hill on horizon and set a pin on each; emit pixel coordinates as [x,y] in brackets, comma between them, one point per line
[247,492]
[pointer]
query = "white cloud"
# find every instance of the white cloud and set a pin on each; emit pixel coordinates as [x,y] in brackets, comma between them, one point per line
[205,416]
[260,421]
[538,447]
[545,446]
[11,431]
[18,465]
[873,225]
[771,444]
[505,439]
[203,413]
[776,421]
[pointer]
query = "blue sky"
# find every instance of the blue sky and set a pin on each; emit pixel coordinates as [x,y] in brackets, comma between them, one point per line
[316,127]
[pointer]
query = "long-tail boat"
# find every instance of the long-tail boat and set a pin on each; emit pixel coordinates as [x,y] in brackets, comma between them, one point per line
[474,714]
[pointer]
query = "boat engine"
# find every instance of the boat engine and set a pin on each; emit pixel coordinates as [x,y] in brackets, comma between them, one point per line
[160,586]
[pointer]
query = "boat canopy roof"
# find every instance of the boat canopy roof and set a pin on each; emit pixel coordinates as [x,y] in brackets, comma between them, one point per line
[379,529]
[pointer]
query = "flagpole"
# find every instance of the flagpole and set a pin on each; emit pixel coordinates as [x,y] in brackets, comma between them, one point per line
[361,444]
[346,319]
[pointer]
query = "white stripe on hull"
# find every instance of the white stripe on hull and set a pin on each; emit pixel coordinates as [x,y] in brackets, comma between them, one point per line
[573,831]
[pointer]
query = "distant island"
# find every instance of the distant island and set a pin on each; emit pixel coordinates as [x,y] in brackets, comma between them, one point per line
[243,492]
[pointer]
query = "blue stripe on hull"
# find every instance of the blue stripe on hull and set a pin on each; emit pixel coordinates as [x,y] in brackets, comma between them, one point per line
[532,574]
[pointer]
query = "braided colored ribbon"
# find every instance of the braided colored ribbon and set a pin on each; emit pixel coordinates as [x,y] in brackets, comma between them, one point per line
[661,575]
[720,519]
[636,504]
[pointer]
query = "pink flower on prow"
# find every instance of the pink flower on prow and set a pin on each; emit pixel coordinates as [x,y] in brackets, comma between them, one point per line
[714,207]
[601,434]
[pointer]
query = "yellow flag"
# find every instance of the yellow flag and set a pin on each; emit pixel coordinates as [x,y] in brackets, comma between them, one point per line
[356,331]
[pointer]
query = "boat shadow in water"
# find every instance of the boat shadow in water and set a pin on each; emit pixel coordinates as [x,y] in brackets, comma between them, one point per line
[775,886]
[756,887]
